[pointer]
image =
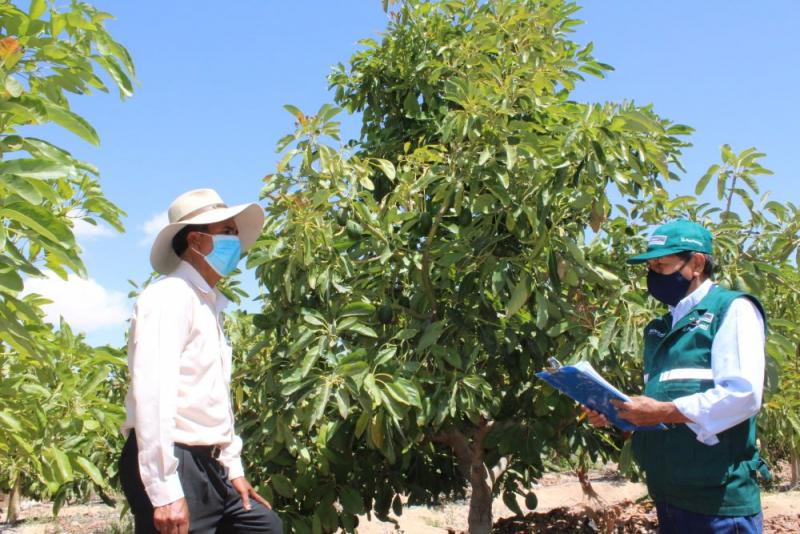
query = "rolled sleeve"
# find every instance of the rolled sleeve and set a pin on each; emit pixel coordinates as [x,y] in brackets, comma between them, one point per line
[737,361]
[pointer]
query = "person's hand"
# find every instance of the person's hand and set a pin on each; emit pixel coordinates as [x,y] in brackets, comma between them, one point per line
[172,518]
[644,411]
[596,419]
[247,491]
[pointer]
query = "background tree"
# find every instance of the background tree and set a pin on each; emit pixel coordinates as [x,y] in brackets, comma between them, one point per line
[418,277]
[47,54]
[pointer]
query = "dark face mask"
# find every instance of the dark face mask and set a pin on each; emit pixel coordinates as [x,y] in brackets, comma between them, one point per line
[668,288]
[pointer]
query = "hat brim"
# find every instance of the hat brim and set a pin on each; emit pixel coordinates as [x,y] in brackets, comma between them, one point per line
[249,220]
[656,253]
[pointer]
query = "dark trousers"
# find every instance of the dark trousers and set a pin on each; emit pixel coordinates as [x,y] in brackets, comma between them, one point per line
[672,520]
[215,507]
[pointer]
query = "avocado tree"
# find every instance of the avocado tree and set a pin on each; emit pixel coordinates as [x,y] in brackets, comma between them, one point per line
[46,55]
[418,277]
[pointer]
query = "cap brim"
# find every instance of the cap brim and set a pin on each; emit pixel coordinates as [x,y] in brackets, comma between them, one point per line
[655,253]
[249,221]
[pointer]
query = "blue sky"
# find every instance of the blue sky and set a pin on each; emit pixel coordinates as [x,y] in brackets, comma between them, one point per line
[213,78]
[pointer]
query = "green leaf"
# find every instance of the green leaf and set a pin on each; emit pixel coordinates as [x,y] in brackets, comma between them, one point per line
[727,155]
[11,280]
[358,309]
[320,403]
[62,464]
[13,87]
[342,402]
[519,296]
[385,354]
[510,500]
[626,458]
[117,74]
[398,393]
[282,485]
[431,335]
[36,168]
[351,500]
[10,421]
[37,9]
[72,122]
[511,156]
[541,311]
[387,168]
[22,187]
[703,182]
[360,328]
[90,469]
[28,221]
[361,424]
[305,339]
[486,154]
[294,110]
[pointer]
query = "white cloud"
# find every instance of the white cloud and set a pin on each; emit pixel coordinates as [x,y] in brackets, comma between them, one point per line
[152,226]
[85,305]
[83,229]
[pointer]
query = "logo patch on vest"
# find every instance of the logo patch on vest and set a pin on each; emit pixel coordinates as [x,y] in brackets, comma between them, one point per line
[657,240]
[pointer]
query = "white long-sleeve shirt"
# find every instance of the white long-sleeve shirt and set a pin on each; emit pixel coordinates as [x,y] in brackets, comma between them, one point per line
[180,370]
[737,365]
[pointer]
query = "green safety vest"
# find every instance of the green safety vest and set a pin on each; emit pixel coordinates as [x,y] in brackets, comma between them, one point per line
[717,479]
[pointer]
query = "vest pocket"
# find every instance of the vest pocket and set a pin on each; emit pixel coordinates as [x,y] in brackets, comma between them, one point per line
[692,462]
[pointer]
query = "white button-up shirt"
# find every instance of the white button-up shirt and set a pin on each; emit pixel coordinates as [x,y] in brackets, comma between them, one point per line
[180,371]
[737,365]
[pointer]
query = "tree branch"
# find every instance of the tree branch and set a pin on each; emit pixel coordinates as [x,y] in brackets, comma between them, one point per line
[427,284]
[730,194]
[459,443]
[498,470]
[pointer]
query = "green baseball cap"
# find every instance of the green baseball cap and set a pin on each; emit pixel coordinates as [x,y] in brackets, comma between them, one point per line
[675,237]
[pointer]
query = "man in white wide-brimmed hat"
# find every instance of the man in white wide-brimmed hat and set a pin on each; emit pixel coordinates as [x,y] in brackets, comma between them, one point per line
[180,467]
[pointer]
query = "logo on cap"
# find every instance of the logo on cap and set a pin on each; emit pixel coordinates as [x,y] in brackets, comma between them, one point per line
[657,240]
[690,240]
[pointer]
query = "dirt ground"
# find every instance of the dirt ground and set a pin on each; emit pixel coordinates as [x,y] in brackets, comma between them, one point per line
[561,507]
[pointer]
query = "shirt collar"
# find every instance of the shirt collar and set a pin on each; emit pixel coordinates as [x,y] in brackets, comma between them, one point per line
[187,272]
[691,300]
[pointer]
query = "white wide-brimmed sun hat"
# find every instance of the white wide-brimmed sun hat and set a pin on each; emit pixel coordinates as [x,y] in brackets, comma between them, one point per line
[203,206]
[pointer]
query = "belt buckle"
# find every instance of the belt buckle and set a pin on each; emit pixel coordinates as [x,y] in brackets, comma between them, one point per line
[215,451]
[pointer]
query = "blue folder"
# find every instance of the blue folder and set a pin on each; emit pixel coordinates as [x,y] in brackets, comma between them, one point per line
[594,393]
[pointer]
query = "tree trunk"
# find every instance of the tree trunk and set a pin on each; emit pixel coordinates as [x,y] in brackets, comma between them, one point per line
[794,461]
[470,456]
[480,502]
[13,501]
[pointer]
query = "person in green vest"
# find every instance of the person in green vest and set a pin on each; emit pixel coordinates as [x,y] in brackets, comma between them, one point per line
[703,379]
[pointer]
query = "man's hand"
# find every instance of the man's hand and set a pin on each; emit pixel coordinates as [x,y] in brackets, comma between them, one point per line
[596,419]
[244,488]
[172,518]
[644,411]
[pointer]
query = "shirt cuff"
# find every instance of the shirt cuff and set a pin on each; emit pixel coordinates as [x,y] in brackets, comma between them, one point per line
[165,491]
[235,469]
[684,405]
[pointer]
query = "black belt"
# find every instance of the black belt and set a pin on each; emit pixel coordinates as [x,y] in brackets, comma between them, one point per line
[211,451]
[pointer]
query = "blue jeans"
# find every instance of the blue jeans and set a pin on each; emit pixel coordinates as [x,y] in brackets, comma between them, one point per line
[673,520]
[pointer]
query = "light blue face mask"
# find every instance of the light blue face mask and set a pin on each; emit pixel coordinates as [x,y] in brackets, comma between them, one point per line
[225,254]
